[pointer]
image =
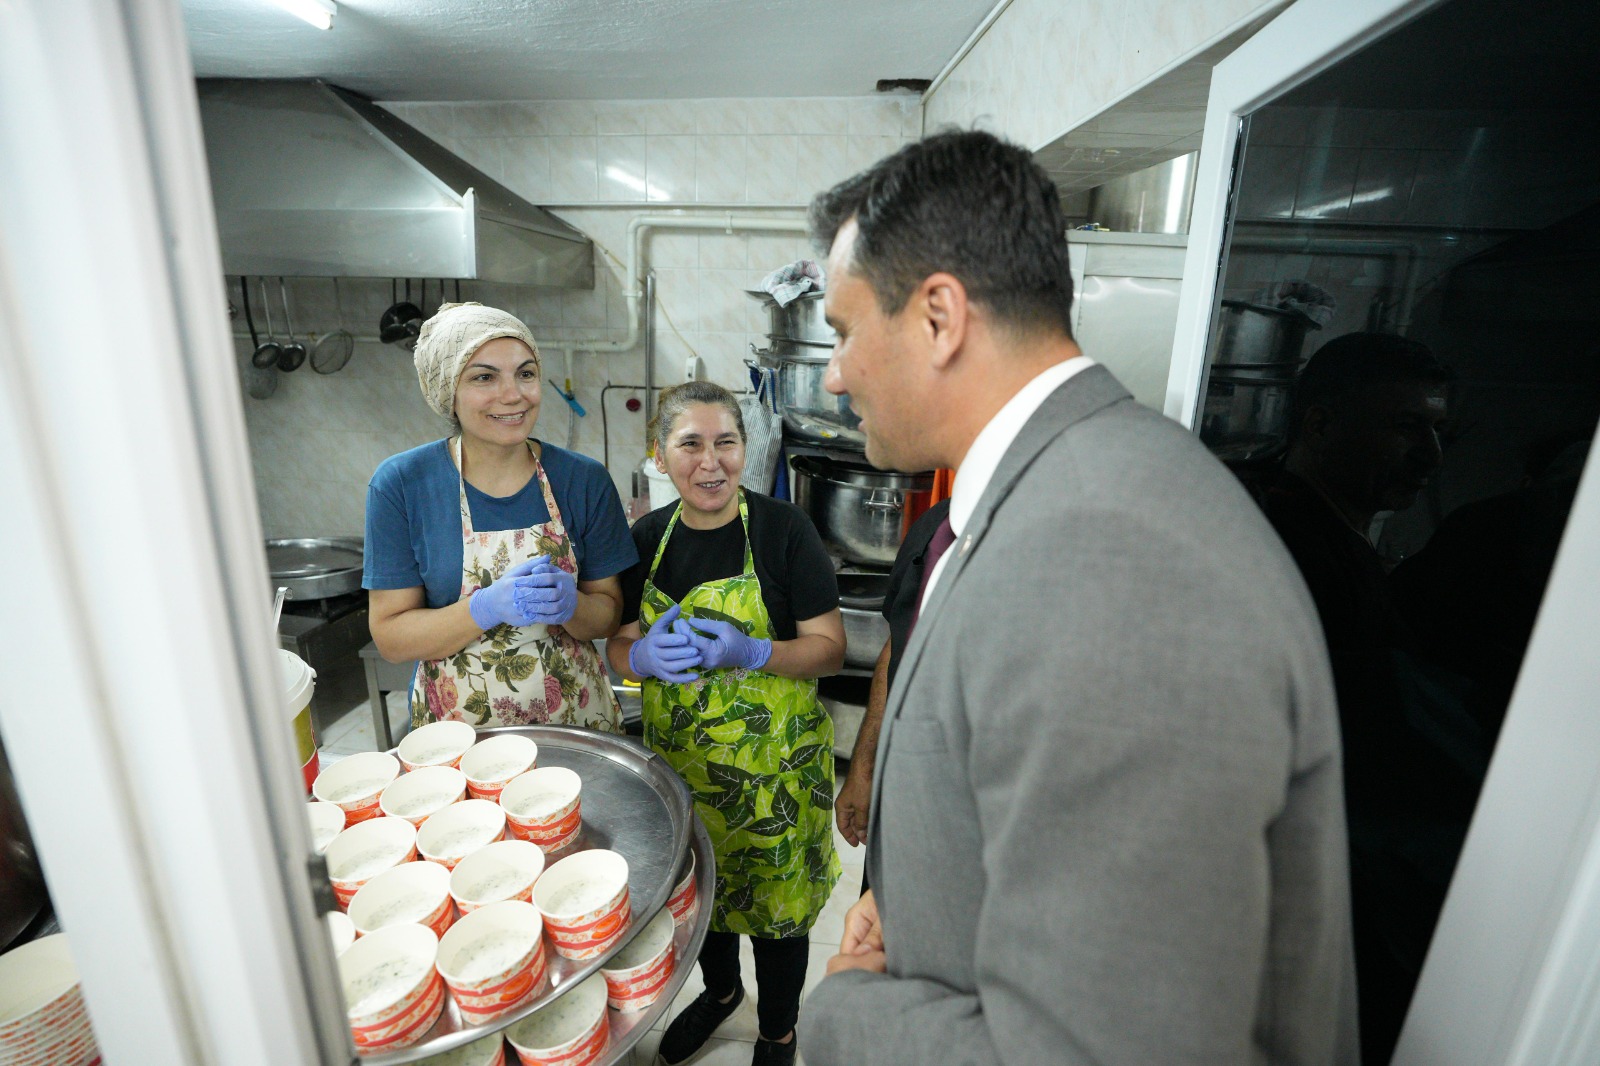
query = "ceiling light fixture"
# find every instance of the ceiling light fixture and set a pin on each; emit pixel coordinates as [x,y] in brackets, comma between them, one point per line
[317,12]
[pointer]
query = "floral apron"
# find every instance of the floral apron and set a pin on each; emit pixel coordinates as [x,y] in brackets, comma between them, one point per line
[511,675]
[757,752]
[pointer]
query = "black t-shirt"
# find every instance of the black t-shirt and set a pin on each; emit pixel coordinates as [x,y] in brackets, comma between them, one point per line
[905,581]
[796,575]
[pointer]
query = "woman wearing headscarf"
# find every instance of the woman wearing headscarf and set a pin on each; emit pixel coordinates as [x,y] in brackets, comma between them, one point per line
[731,615]
[492,557]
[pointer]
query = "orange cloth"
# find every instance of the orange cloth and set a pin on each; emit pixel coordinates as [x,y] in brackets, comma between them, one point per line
[944,483]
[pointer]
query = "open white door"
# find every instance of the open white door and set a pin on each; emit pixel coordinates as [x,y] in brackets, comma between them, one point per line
[1513,973]
[141,710]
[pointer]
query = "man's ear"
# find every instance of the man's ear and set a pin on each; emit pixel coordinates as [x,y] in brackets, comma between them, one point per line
[944,314]
[1316,424]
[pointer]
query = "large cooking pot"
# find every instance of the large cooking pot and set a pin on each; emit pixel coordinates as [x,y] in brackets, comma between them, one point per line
[315,568]
[810,412]
[801,319]
[861,512]
[861,597]
[22,890]
[1251,337]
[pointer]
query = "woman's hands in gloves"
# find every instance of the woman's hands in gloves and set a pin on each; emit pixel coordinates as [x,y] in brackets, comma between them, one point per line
[663,653]
[497,604]
[534,592]
[548,595]
[723,644]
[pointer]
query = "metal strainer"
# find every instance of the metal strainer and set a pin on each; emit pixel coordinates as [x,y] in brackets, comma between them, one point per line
[332,351]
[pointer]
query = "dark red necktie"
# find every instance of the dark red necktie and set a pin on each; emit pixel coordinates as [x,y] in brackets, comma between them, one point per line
[943,537]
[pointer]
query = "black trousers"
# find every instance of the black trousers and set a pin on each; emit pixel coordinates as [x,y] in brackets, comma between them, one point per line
[780,975]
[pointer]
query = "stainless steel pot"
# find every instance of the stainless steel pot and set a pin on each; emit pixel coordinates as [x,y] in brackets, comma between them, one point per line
[861,512]
[1249,335]
[810,412]
[861,597]
[801,319]
[315,568]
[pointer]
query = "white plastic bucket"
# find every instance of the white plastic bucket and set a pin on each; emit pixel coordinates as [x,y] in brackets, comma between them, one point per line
[662,491]
[299,681]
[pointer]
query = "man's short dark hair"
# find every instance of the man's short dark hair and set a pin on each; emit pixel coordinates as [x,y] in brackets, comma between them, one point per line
[963,202]
[1355,362]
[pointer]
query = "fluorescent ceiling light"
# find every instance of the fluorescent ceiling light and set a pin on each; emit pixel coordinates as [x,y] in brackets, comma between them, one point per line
[317,12]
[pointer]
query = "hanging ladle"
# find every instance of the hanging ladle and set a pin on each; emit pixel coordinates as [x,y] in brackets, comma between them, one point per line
[268,352]
[294,353]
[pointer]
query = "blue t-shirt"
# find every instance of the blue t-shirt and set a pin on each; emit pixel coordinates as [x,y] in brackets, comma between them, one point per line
[414,519]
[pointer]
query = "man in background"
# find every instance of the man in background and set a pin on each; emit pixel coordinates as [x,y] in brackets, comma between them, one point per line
[1106,815]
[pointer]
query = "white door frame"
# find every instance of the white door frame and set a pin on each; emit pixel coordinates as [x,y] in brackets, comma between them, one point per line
[141,708]
[1513,976]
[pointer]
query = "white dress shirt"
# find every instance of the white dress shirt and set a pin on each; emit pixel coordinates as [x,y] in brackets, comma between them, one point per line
[991,445]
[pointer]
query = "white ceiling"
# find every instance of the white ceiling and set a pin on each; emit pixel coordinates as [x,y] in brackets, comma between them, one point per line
[586,49]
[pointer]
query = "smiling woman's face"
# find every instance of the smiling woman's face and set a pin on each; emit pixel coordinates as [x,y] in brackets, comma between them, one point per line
[704,457]
[497,398]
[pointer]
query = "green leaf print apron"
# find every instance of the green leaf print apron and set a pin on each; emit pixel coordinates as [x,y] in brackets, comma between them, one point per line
[515,675]
[757,752]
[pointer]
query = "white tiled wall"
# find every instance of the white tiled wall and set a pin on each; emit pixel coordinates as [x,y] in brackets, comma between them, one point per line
[1045,66]
[598,164]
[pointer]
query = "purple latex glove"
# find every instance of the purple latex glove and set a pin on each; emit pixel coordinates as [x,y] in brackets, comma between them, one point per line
[548,595]
[722,644]
[496,604]
[664,654]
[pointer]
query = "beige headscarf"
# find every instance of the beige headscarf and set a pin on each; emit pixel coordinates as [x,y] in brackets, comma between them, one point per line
[448,340]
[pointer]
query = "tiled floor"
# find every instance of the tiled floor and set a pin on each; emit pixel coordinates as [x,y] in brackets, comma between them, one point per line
[733,1044]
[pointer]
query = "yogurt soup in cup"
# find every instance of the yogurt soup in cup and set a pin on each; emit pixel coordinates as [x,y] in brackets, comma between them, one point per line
[544,806]
[505,869]
[489,1051]
[572,1031]
[424,791]
[364,851]
[685,898]
[340,931]
[392,992]
[355,782]
[327,821]
[459,830]
[493,960]
[584,900]
[411,892]
[436,744]
[494,761]
[638,974]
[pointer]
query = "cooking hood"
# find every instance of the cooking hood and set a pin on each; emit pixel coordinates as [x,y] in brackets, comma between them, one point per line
[313,180]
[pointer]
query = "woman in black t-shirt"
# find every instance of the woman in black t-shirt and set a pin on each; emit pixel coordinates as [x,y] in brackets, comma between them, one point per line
[728,619]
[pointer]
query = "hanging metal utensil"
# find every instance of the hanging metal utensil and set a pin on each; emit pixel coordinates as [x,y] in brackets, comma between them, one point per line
[259,383]
[332,352]
[402,322]
[266,354]
[294,353]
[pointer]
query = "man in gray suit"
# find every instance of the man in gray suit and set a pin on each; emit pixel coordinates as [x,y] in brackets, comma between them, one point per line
[1107,824]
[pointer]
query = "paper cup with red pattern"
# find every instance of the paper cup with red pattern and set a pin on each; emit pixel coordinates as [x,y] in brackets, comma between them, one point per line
[424,791]
[355,782]
[327,821]
[503,870]
[411,892]
[493,762]
[459,830]
[493,960]
[392,992]
[436,744]
[685,898]
[364,851]
[42,1014]
[572,1031]
[544,806]
[584,900]
[637,975]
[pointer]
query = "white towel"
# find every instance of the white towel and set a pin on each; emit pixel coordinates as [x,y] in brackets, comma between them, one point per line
[788,282]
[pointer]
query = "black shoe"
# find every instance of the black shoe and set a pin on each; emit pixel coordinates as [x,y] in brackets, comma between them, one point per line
[772,1053]
[690,1030]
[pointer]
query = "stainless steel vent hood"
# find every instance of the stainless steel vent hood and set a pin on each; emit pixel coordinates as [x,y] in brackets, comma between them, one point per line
[312,180]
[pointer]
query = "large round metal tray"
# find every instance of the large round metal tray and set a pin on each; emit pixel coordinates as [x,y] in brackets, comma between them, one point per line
[315,568]
[635,804]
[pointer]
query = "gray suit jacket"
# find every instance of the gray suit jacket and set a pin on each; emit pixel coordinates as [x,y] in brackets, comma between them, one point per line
[1107,823]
